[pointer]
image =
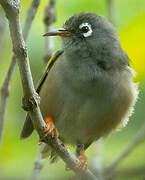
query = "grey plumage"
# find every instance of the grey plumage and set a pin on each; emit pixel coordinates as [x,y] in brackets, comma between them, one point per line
[90,90]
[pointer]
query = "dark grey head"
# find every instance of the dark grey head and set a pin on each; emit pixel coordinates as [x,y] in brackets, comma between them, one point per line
[85,26]
[89,33]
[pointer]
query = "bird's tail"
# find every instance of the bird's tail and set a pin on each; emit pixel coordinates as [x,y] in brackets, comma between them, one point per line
[27,128]
[46,151]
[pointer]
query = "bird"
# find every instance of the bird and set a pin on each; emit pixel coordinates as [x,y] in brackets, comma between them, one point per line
[89,90]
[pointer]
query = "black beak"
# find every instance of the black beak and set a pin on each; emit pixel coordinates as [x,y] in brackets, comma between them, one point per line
[58,32]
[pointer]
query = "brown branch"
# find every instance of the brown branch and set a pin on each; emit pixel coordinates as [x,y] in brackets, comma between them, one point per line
[125,173]
[4,95]
[2,32]
[49,19]
[38,165]
[134,171]
[111,11]
[97,161]
[6,84]
[137,140]
[31,99]
[30,17]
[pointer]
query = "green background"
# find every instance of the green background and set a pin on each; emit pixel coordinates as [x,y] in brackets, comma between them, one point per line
[17,157]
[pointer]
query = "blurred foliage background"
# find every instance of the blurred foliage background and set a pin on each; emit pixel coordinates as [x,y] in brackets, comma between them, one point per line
[17,157]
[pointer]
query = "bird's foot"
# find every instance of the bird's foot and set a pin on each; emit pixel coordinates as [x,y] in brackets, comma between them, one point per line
[50,127]
[83,161]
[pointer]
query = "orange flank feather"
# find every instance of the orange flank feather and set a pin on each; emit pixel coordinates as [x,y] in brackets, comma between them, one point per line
[48,119]
[51,127]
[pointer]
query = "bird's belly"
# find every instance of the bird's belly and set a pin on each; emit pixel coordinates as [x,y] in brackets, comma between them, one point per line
[84,112]
[86,120]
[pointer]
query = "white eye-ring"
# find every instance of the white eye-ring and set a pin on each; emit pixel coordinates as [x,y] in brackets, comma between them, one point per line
[86,29]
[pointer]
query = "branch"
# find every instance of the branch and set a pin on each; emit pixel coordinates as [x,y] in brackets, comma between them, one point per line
[49,19]
[5,90]
[144,176]
[111,11]
[97,161]
[31,98]
[131,172]
[4,95]
[137,140]
[31,13]
[2,32]
[38,165]
[126,173]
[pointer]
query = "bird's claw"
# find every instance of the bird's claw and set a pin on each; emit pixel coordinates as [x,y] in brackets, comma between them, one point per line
[51,129]
[83,163]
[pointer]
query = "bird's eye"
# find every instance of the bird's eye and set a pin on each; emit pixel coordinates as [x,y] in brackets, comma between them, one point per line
[86,29]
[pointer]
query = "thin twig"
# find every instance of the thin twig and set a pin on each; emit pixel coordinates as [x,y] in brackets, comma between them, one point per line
[132,171]
[111,11]
[31,13]
[125,173]
[31,98]
[5,90]
[49,19]
[140,136]
[97,161]
[38,165]
[2,32]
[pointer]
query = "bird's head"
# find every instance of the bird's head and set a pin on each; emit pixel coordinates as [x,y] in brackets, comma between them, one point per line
[83,28]
[90,38]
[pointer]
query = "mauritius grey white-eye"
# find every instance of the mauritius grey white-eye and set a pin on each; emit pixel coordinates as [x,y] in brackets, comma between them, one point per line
[89,91]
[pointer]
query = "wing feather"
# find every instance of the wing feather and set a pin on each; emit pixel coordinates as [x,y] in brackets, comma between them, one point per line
[28,126]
